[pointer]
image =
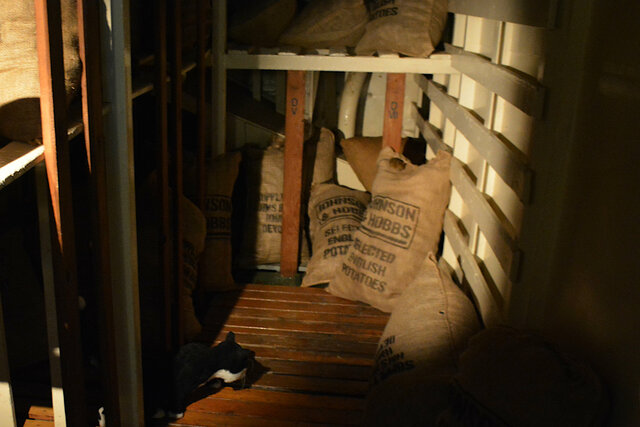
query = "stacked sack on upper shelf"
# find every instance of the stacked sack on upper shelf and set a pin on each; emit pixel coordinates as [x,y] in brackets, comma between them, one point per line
[407,27]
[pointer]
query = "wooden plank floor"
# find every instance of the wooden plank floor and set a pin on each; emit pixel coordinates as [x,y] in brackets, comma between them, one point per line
[316,351]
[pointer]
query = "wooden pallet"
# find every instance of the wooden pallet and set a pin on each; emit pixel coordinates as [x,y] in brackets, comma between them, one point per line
[318,351]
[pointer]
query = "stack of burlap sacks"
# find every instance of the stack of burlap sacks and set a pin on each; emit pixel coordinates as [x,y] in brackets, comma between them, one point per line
[379,247]
[408,27]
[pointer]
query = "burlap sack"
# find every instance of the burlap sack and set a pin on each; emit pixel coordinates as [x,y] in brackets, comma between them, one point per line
[324,165]
[259,23]
[19,75]
[264,174]
[215,264]
[402,225]
[335,212]
[194,230]
[512,377]
[326,24]
[409,27]
[362,154]
[417,353]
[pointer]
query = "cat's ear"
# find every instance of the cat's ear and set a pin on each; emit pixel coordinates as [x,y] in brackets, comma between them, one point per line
[249,354]
[231,337]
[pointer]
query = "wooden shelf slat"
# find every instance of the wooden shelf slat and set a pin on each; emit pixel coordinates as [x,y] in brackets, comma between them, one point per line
[16,159]
[439,63]
[297,399]
[330,386]
[516,87]
[304,316]
[297,326]
[332,343]
[318,308]
[276,411]
[312,335]
[488,303]
[508,163]
[500,235]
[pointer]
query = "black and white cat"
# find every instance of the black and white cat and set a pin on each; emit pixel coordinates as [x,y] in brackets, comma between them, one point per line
[197,364]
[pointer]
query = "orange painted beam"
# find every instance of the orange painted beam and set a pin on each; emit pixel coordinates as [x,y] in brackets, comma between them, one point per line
[393,107]
[53,110]
[293,148]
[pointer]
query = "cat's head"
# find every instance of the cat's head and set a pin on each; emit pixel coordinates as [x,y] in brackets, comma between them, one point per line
[233,360]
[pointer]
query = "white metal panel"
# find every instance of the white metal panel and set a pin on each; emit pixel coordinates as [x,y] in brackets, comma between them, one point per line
[541,13]
[524,48]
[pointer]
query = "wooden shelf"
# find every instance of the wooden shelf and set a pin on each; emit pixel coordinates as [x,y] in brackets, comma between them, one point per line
[336,60]
[17,158]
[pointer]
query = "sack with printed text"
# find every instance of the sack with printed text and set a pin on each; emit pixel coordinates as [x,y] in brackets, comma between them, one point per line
[409,27]
[335,212]
[193,226]
[263,173]
[326,24]
[403,223]
[215,264]
[418,351]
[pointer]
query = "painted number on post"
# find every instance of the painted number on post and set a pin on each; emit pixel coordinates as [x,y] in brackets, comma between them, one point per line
[393,110]
[294,106]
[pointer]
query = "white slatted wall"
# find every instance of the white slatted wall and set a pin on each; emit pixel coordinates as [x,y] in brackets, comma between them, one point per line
[486,115]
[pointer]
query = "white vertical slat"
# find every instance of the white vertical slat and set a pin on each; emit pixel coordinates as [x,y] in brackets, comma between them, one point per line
[7,410]
[120,181]
[219,77]
[44,221]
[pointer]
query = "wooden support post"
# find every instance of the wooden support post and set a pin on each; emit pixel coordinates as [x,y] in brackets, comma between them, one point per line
[162,136]
[393,108]
[91,83]
[201,118]
[51,311]
[176,139]
[219,78]
[293,148]
[53,106]
[121,198]
[7,410]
